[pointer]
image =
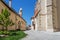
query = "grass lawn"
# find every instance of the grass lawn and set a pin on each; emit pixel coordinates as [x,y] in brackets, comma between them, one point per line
[19,36]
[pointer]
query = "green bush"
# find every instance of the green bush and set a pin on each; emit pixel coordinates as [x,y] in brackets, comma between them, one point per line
[1,32]
[18,35]
[12,33]
[12,30]
[6,32]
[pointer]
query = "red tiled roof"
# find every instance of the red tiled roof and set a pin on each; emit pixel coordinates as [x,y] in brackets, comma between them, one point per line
[36,12]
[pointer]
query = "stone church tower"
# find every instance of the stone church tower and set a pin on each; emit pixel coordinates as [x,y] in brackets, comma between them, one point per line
[47,15]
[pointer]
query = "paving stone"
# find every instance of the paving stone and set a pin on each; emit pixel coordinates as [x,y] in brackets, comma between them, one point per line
[41,35]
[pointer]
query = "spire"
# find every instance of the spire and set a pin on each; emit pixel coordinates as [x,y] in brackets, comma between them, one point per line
[10,3]
[20,12]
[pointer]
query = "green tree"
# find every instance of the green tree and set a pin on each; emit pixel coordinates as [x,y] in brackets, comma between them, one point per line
[5,20]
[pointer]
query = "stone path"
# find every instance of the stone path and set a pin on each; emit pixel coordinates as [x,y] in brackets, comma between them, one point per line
[41,35]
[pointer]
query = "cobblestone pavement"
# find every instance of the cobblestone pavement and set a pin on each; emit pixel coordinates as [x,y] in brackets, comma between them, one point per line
[41,35]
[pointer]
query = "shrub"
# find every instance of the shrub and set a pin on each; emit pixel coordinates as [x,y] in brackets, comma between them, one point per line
[1,32]
[6,32]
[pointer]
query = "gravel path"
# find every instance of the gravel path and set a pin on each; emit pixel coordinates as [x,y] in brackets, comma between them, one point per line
[41,35]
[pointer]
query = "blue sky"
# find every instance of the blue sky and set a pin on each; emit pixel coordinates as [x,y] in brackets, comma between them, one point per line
[27,6]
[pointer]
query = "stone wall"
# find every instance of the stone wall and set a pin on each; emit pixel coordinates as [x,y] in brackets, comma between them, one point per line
[13,17]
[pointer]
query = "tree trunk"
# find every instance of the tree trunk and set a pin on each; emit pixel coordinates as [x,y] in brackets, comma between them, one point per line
[6,31]
[2,28]
[6,28]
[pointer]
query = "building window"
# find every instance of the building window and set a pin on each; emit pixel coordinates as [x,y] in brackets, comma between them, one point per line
[32,23]
[19,23]
[15,17]
[1,10]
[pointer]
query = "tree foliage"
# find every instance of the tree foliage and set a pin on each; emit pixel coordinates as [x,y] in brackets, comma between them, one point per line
[5,20]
